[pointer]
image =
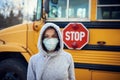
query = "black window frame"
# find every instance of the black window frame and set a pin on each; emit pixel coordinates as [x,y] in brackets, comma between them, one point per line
[108,10]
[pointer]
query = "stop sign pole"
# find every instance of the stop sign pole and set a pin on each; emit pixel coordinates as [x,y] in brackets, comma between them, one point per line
[75,35]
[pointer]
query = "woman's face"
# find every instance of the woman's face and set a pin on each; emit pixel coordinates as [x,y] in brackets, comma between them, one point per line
[50,39]
[50,33]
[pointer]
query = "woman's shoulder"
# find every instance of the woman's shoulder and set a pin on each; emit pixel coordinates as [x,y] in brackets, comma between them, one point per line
[35,57]
[67,55]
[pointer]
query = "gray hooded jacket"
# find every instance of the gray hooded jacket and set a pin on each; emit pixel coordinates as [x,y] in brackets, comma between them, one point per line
[58,65]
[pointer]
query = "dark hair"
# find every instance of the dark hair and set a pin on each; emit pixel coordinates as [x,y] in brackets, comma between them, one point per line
[58,45]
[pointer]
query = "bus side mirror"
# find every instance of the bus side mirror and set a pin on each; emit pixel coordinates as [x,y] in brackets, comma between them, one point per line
[46,6]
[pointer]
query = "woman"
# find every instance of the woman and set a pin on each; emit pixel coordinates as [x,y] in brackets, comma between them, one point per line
[52,62]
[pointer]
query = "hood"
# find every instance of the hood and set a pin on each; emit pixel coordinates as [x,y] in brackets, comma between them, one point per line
[40,47]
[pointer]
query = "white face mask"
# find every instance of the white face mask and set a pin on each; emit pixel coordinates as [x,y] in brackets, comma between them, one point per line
[50,43]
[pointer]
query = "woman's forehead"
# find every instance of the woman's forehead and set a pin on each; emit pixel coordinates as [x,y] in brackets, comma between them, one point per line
[50,30]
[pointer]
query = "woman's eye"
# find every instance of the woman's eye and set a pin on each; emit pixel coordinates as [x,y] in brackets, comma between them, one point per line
[54,36]
[45,36]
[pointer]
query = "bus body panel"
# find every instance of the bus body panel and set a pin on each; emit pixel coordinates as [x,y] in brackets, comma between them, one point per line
[14,38]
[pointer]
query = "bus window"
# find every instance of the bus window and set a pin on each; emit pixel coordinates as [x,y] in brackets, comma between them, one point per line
[69,9]
[38,12]
[57,8]
[108,9]
[79,9]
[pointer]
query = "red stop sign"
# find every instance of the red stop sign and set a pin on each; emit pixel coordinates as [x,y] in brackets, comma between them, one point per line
[75,35]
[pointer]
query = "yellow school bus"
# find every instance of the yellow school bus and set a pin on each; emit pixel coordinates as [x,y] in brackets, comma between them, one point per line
[21,21]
